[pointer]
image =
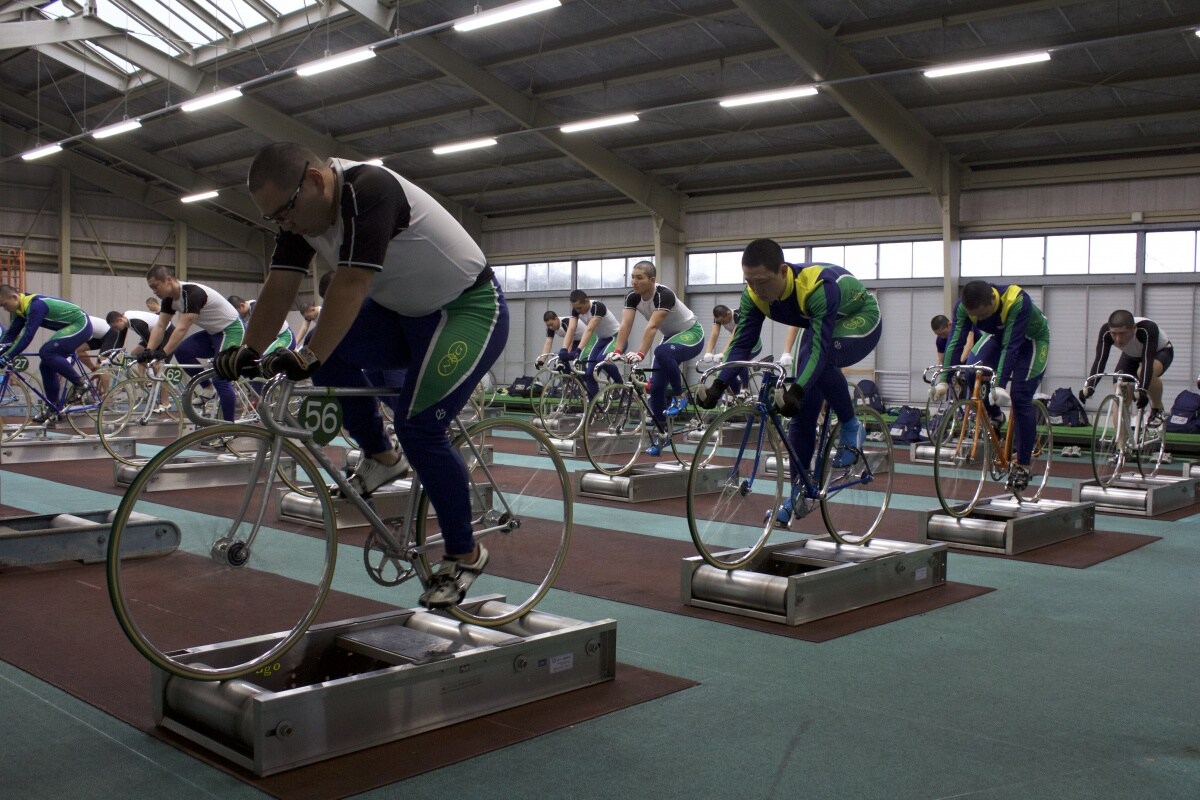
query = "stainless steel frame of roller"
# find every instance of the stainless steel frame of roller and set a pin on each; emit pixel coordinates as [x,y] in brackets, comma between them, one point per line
[389,501]
[1002,525]
[574,446]
[643,484]
[731,435]
[65,448]
[799,582]
[80,536]
[1133,494]
[1191,469]
[199,472]
[362,682]
[921,452]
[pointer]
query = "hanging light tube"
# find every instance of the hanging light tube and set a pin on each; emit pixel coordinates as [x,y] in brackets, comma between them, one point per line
[334,62]
[483,19]
[193,198]
[458,147]
[768,96]
[601,122]
[212,99]
[117,128]
[40,152]
[989,63]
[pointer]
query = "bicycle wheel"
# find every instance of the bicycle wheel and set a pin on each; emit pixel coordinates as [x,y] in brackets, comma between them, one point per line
[16,408]
[1151,449]
[86,416]
[731,525]
[1042,453]
[854,497]
[614,431]
[1107,435]
[484,393]
[685,432]
[192,567]
[562,405]
[134,402]
[962,456]
[521,511]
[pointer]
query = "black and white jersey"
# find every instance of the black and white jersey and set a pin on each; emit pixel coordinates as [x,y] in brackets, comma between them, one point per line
[560,332]
[679,317]
[608,325]
[213,312]
[423,257]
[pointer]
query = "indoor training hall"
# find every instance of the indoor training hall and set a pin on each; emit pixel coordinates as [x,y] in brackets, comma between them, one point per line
[599,399]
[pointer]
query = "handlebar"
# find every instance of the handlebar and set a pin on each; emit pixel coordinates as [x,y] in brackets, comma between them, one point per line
[760,366]
[1125,377]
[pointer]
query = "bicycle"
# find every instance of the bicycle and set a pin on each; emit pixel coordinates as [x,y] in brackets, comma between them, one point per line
[17,394]
[852,487]
[968,449]
[485,392]
[1120,434]
[619,426]
[236,577]
[955,390]
[563,400]
[143,400]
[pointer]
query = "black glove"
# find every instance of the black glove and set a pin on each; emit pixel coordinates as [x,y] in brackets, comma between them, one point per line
[295,364]
[709,396]
[239,361]
[788,399]
[1085,393]
[146,356]
[1143,400]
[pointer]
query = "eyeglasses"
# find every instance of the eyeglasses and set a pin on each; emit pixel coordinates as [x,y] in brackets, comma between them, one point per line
[281,213]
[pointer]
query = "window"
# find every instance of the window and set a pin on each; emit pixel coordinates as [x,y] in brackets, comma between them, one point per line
[1113,253]
[980,257]
[729,267]
[1023,256]
[702,269]
[591,274]
[560,274]
[1067,255]
[1171,251]
[896,260]
[927,260]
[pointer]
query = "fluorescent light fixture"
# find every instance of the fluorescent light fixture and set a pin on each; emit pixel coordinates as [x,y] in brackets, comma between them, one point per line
[212,99]
[601,122]
[333,62]
[374,162]
[768,96]
[192,198]
[990,63]
[458,147]
[49,149]
[113,130]
[504,14]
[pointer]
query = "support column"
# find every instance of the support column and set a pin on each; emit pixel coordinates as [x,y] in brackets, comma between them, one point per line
[950,200]
[64,235]
[181,262]
[669,256]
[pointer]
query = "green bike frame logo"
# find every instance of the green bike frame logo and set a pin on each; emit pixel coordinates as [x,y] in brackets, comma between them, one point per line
[454,354]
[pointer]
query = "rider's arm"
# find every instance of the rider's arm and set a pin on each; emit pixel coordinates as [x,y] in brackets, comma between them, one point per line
[711,346]
[966,351]
[572,324]
[156,334]
[1103,346]
[745,335]
[1147,332]
[181,330]
[274,301]
[958,334]
[1014,334]
[626,326]
[789,341]
[652,326]
[27,326]
[343,298]
[549,345]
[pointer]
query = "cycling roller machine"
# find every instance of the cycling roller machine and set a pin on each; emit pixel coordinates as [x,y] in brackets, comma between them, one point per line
[202,471]
[80,536]
[40,446]
[802,581]
[643,483]
[1002,525]
[366,681]
[1140,495]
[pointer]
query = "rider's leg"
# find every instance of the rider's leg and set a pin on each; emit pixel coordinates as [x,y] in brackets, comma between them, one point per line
[54,362]
[202,344]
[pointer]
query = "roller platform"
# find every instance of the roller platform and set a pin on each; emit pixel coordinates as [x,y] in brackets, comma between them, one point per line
[922,453]
[63,448]
[1001,525]
[80,536]
[646,483]
[200,471]
[351,685]
[731,435]
[799,582]
[389,501]
[1135,495]
[1191,469]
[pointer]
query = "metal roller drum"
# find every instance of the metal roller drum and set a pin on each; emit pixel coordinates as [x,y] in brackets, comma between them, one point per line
[599,483]
[972,530]
[741,588]
[223,707]
[1114,496]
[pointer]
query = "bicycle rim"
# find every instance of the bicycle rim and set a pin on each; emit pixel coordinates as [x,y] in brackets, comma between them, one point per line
[1043,451]
[962,456]
[731,525]
[562,405]
[521,511]
[1151,449]
[173,569]
[854,497]
[1107,432]
[614,432]
[16,408]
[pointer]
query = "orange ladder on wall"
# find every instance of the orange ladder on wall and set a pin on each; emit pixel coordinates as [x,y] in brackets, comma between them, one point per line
[12,268]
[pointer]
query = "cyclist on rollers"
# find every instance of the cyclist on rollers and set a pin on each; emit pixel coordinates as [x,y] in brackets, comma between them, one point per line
[1145,351]
[559,328]
[599,328]
[727,320]
[841,326]
[1016,343]
[410,291]
[683,338]
[71,327]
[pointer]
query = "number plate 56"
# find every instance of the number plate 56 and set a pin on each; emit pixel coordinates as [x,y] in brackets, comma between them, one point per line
[321,416]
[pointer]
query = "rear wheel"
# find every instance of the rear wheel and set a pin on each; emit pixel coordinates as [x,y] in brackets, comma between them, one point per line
[1043,451]
[962,456]
[855,495]
[614,431]
[16,407]
[562,405]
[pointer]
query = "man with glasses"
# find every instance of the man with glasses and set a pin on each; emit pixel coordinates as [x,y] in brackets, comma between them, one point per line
[410,290]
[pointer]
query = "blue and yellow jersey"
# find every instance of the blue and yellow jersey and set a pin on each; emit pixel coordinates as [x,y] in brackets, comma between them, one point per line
[40,311]
[1015,319]
[818,296]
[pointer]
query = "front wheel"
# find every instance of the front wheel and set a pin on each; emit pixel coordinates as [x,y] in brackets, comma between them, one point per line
[520,510]
[614,430]
[856,483]
[1108,435]
[562,405]
[730,525]
[16,408]
[196,566]
[962,455]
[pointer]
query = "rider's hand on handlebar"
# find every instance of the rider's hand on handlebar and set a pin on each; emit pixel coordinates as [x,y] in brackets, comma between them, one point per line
[940,390]
[709,396]
[239,361]
[295,364]
[785,360]
[708,357]
[1085,393]
[1143,400]
[999,397]
[541,360]
[615,355]
[146,356]
[633,359]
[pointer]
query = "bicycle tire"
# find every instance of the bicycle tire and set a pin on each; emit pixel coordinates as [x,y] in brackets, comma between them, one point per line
[1108,456]
[171,603]
[731,526]
[854,498]
[962,456]
[1151,448]
[562,405]
[526,554]
[16,409]
[614,430]
[1042,451]
[139,397]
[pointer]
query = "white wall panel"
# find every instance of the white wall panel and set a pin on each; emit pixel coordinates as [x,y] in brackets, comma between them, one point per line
[571,239]
[808,221]
[1075,314]
[1174,308]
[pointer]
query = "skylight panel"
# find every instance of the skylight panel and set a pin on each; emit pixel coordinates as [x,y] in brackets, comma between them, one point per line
[237,14]
[190,28]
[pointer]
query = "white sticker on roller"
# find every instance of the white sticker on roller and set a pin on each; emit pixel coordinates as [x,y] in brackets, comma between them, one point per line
[920,573]
[562,663]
